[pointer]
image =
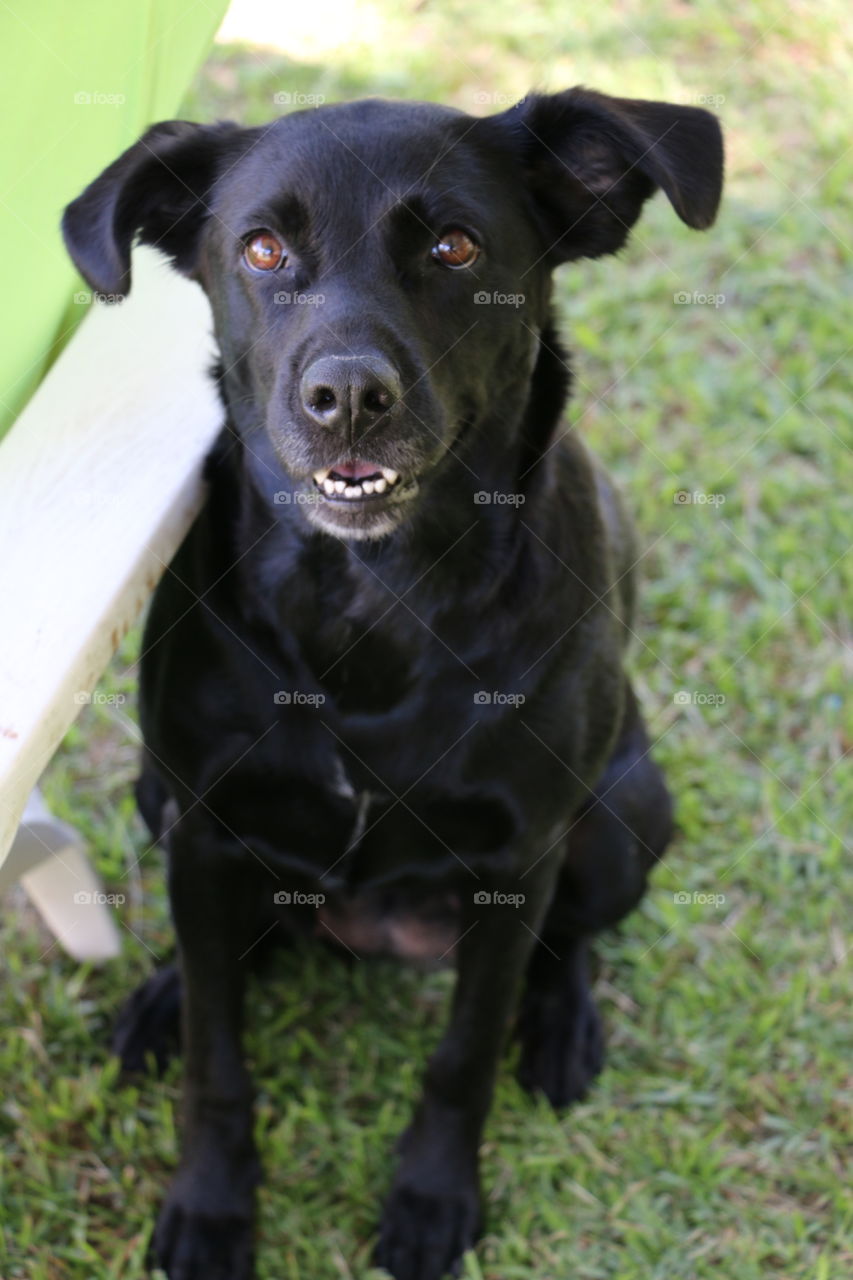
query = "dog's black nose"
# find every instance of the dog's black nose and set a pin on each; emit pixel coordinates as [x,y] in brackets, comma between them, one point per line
[349,393]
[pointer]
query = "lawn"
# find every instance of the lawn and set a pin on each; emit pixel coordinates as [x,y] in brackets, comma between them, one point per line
[718,1141]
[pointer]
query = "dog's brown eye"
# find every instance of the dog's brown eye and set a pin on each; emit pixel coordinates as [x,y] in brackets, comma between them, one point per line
[263,252]
[456,248]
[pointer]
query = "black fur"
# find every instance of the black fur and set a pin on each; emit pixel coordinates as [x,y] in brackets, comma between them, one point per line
[314,669]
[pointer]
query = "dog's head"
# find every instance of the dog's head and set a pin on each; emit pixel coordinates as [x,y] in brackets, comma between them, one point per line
[379,272]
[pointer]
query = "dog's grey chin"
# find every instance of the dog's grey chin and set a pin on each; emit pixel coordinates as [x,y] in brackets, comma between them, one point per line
[380,525]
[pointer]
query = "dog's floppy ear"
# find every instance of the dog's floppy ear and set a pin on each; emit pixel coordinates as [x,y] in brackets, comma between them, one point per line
[590,162]
[159,187]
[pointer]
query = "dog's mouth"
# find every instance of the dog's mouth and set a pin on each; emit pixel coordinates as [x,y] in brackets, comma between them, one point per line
[359,499]
[356,482]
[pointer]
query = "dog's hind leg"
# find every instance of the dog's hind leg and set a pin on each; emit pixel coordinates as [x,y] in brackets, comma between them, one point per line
[620,832]
[152,799]
[149,1022]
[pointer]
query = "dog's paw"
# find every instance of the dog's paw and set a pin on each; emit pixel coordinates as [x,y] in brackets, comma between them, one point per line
[560,1057]
[149,1023]
[195,1243]
[423,1235]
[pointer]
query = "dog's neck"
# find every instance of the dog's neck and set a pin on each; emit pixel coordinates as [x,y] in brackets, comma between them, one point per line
[550,387]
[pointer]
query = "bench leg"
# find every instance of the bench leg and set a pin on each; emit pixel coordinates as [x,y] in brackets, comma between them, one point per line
[47,857]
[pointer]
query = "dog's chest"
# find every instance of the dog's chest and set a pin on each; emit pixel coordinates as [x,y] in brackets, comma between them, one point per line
[365,646]
[361,666]
[372,767]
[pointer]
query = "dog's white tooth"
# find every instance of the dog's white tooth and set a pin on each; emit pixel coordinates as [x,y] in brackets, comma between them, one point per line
[378,486]
[320,476]
[329,485]
[340,485]
[352,491]
[391,476]
[367,486]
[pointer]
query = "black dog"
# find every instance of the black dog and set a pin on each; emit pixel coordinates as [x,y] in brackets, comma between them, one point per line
[383,692]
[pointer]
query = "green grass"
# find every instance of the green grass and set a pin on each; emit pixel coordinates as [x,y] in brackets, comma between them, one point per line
[716,1141]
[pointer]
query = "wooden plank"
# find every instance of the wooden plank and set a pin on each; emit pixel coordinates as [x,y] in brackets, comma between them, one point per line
[99,481]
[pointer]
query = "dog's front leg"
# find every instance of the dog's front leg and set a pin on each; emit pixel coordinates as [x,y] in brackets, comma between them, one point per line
[205,1228]
[433,1212]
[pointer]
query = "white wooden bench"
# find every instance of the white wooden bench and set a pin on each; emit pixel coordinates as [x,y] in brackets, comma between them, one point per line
[99,481]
